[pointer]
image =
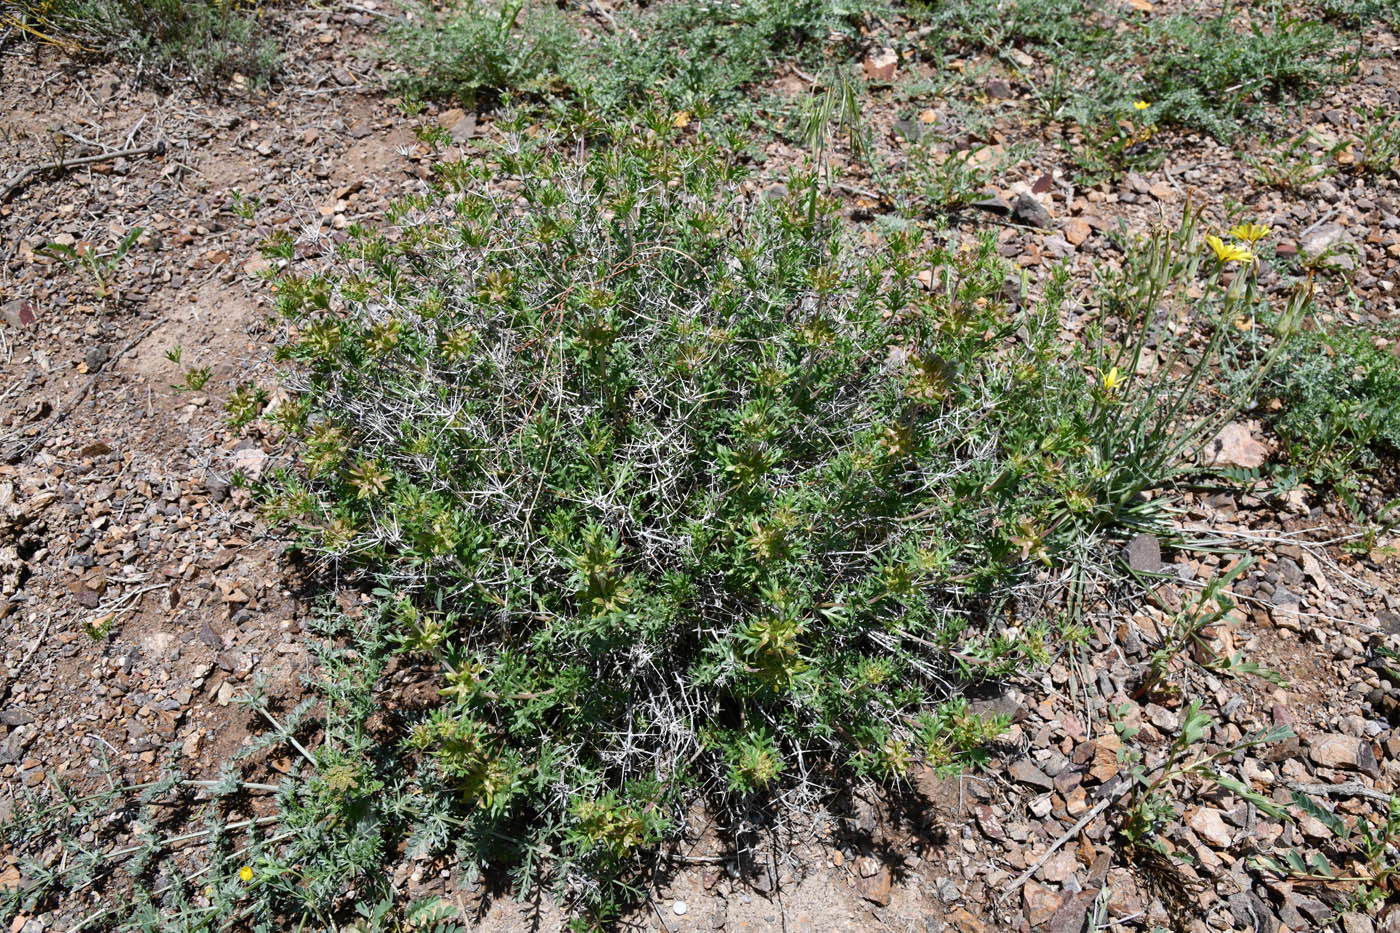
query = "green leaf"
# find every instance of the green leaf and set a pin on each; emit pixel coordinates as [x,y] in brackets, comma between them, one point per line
[1194,727]
[1321,814]
[1253,796]
[58,251]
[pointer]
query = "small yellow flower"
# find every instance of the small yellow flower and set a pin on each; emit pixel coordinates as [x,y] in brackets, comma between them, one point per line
[681,120]
[1229,252]
[246,873]
[1111,380]
[1141,105]
[1249,233]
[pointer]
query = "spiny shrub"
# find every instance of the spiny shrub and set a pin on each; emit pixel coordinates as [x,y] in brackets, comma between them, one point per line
[691,496]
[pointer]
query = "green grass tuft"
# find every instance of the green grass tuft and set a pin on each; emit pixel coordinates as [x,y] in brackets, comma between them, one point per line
[206,42]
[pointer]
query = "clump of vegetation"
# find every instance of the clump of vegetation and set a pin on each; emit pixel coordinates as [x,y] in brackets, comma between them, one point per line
[688,498]
[679,55]
[1377,149]
[1293,164]
[1213,75]
[1216,74]
[476,52]
[207,42]
[182,853]
[1358,14]
[1340,405]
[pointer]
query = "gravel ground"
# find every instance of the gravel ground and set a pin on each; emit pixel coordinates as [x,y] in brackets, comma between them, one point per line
[142,593]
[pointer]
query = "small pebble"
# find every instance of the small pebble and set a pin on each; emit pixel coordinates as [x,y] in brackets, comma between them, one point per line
[680,908]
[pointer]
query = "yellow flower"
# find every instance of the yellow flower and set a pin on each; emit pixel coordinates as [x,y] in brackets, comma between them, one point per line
[1249,233]
[1141,105]
[1111,380]
[681,120]
[1229,252]
[246,873]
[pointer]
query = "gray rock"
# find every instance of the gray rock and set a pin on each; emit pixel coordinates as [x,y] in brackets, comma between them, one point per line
[1312,908]
[999,89]
[1057,246]
[992,204]
[1144,553]
[1006,703]
[1353,922]
[1028,210]
[1236,447]
[1330,243]
[1069,916]
[95,357]
[1348,752]
[1026,773]
[16,716]
[908,129]
[217,487]
[1251,913]
[464,129]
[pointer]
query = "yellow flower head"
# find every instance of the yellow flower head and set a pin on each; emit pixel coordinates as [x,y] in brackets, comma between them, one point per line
[246,873]
[1249,233]
[1111,380]
[1141,105]
[1229,252]
[681,120]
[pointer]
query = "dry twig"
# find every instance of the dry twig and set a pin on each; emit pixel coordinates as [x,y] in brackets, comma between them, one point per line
[61,165]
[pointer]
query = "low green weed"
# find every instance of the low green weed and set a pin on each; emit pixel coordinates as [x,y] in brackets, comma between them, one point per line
[1186,637]
[932,183]
[244,404]
[206,42]
[476,52]
[308,852]
[681,56]
[1294,163]
[1339,406]
[100,266]
[1213,74]
[1114,146]
[1358,14]
[1379,143]
[1155,793]
[1368,848]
